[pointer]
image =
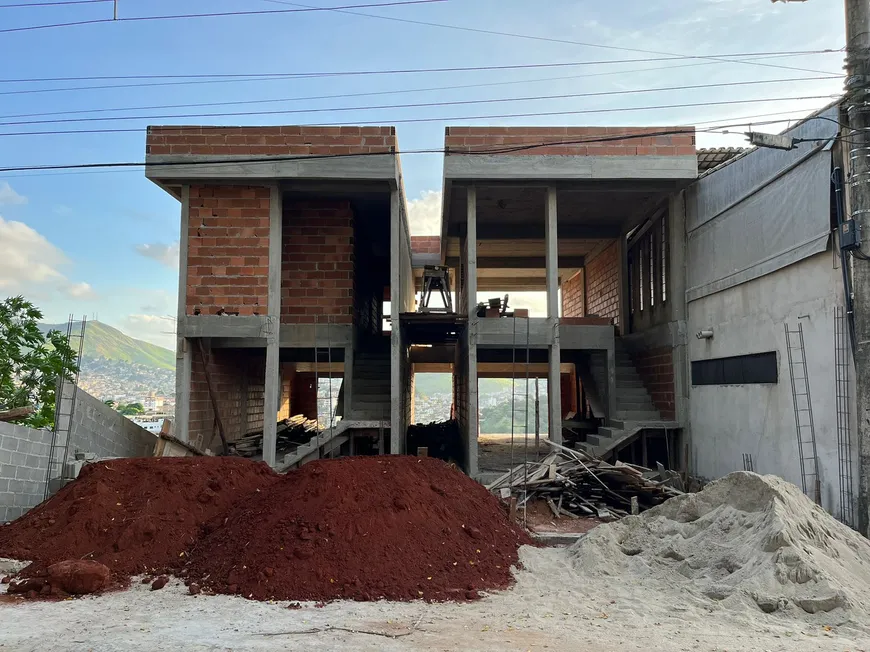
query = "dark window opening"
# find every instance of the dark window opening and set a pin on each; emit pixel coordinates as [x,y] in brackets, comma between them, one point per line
[758,368]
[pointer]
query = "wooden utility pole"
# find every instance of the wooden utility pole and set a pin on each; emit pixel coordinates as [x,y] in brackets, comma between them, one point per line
[857,144]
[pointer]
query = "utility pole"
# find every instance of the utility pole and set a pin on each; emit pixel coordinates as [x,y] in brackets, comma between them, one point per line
[857,143]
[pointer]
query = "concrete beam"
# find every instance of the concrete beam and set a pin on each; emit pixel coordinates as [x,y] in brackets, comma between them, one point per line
[555,361]
[198,167]
[588,338]
[525,262]
[472,334]
[499,333]
[537,232]
[253,326]
[301,336]
[272,391]
[481,168]
[182,346]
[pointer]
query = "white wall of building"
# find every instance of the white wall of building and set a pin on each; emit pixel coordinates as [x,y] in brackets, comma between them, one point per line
[728,421]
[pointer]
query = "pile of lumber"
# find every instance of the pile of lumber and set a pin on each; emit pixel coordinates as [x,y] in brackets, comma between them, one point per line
[292,432]
[576,484]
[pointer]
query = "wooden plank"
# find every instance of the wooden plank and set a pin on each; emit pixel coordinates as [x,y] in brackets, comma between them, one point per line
[213,396]
[17,413]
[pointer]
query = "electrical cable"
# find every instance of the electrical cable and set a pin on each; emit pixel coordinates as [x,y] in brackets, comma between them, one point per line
[478,30]
[395,3]
[477,117]
[343,95]
[412,105]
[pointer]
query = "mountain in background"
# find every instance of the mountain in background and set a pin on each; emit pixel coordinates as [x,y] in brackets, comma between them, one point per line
[103,341]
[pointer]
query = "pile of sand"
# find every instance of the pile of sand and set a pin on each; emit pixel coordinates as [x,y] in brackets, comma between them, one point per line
[747,542]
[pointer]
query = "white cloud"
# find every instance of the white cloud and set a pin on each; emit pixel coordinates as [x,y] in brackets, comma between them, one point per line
[166,254]
[9,197]
[63,210]
[157,329]
[26,257]
[30,265]
[80,291]
[424,214]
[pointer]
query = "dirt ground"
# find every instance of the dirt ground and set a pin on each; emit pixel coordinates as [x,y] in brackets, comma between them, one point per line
[494,451]
[550,608]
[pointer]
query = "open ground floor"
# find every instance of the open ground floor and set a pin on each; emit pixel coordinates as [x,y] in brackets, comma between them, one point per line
[553,606]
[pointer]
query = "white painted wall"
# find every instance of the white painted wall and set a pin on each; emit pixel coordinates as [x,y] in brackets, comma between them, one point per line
[727,421]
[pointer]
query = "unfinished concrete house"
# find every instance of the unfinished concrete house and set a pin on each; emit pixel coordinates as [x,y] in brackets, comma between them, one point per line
[594,219]
[285,268]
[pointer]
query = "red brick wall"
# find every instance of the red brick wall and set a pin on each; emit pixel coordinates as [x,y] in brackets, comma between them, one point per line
[317,262]
[602,284]
[278,141]
[573,291]
[656,369]
[232,375]
[571,141]
[426,244]
[228,250]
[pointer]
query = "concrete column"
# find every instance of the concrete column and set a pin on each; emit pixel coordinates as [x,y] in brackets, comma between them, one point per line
[396,421]
[273,329]
[676,300]
[183,349]
[471,307]
[554,376]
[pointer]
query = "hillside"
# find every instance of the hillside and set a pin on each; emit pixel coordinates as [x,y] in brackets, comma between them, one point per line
[103,341]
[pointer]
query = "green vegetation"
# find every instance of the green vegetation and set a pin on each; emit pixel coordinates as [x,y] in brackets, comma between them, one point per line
[31,362]
[103,341]
[130,409]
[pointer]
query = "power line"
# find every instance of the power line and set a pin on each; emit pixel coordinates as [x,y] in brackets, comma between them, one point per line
[54,4]
[478,30]
[478,117]
[780,117]
[398,71]
[281,78]
[413,105]
[396,3]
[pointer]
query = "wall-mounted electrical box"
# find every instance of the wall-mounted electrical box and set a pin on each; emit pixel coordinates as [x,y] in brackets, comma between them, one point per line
[850,236]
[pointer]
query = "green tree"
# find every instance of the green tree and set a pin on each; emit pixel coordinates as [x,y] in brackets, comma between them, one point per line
[110,403]
[31,363]
[131,408]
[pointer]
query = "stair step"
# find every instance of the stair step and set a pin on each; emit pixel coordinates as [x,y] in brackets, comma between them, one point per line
[631,393]
[634,406]
[633,383]
[637,415]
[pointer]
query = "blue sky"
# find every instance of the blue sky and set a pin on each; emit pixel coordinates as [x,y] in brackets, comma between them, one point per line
[105,242]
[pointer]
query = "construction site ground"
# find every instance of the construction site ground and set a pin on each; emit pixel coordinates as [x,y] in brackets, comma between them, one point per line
[551,607]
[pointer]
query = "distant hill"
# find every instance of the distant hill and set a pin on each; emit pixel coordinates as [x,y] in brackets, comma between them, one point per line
[103,341]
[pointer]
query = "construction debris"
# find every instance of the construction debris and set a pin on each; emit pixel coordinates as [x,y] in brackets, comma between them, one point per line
[576,484]
[292,432]
[440,439]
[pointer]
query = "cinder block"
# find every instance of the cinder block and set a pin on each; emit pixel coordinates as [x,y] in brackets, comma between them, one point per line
[17,486]
[13,513]
[8,471]
[6,499]
[18,459]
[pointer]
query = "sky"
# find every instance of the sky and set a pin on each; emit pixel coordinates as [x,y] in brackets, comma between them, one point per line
[105,242]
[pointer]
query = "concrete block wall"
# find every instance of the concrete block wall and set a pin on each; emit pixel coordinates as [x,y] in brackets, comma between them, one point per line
[571,141]
[317,262]
[99,429]
[23,463]
[656,369]
[239,382]
[574,296]
[275,141]
[228,250]
[602,284]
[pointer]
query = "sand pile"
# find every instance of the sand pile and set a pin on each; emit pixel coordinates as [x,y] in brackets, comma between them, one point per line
[745,541]
[133,515]
[362,528]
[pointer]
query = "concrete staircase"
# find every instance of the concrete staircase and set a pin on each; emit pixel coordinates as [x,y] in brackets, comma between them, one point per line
[370,398]
[634,408]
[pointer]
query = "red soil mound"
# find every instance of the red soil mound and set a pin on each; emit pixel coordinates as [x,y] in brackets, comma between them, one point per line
[133,515]
[362,528]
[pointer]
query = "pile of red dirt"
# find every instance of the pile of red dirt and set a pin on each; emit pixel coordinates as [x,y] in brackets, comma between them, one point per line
[362,528]
[133,515]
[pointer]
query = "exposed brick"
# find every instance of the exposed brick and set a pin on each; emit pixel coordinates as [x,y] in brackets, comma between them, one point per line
[574,141]
[602,284]
[656,369]
[426,244]
[573,296]
[274,141]
[228,223]
[317,262]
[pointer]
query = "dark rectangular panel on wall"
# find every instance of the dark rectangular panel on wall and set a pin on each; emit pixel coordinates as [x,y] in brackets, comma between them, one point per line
[754,369]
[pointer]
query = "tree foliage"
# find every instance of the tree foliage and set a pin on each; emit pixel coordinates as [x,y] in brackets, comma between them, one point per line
[31,363]
[130,409]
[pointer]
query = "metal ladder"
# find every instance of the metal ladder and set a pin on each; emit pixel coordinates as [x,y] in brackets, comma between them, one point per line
[64,407]
[803,412]
[844,422]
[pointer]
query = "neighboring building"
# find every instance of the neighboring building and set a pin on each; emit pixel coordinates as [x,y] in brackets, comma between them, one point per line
[295,250]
